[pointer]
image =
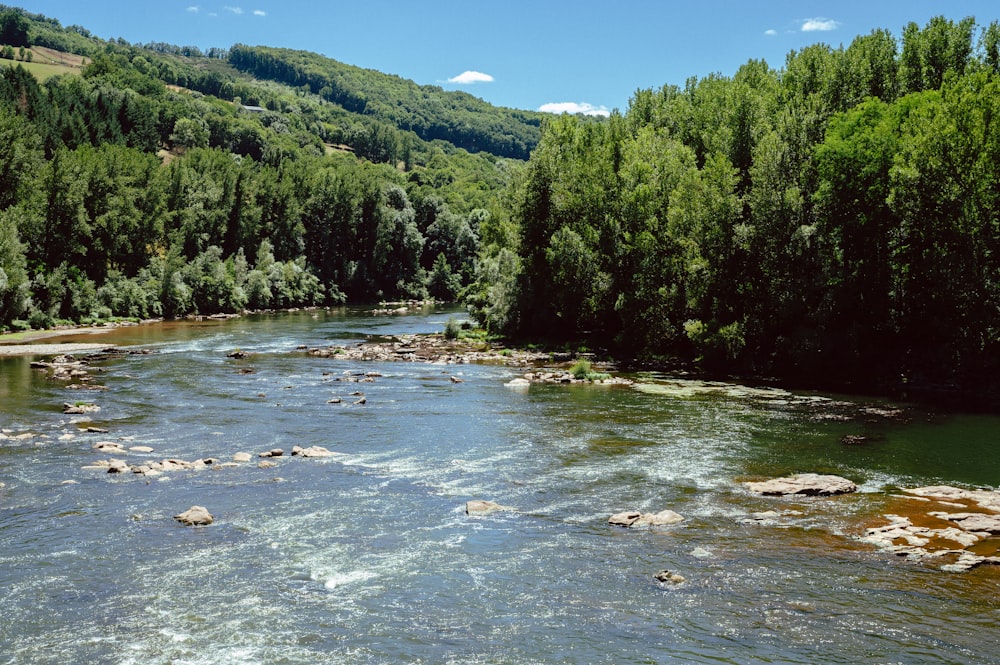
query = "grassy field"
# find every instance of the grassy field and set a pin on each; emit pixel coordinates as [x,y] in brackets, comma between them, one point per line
[42,71]
[47,63]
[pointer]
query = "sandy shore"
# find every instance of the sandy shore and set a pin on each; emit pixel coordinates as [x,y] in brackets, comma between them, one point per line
[28,343]
[48,349]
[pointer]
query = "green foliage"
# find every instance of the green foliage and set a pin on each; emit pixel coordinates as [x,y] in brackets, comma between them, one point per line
[13,28]
[443,284]
[40,320]
[452,329]
[429,111]
[583,370]
[816,222]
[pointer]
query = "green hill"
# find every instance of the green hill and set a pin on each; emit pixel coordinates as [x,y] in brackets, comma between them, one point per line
[429,111]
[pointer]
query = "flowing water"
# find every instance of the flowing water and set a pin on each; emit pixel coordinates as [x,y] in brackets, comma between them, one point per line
[369,556]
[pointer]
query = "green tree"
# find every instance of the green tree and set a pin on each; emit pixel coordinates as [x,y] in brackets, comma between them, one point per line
[13,28]
[14,292]
[190,133]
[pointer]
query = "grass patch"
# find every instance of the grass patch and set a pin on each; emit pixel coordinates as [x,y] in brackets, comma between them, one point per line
[44,71]
[455,330]
[583,370]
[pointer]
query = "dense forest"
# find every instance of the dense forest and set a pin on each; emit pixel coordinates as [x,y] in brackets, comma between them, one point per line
[160,181]
[834,220]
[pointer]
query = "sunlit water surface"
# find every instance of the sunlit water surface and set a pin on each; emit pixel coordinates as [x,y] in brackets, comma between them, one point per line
[369,557]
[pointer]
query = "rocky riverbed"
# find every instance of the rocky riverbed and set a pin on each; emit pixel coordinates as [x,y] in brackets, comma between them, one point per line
[435,349]
[955,529]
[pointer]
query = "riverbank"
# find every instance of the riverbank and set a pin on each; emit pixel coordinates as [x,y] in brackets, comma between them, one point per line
[31,342]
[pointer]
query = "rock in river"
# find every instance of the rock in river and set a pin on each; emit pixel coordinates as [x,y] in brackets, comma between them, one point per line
[668,576]
[807,484]
[635,518]
[479,507]
[312,451]
[80,408]
[195,516]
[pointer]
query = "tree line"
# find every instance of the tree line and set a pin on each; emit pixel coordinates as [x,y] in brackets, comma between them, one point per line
[834,220]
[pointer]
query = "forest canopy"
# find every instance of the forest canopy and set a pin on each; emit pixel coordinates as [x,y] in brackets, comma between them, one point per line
[833,219]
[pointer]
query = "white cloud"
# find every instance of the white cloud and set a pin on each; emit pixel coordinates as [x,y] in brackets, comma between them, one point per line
[573,108]
[235,10]
[258,12]
[819,25]
[771,33]
[469,77]
[194,9]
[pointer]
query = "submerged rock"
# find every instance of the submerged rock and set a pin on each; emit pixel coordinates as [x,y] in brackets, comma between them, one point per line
[195,516]
[806,484]
[926,533]
[667,576]
[242,457]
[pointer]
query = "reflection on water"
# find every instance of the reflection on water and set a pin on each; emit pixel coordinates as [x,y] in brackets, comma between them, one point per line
[368,557]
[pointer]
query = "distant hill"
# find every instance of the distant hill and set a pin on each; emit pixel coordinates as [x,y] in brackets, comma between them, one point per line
[365,95]
[429,111]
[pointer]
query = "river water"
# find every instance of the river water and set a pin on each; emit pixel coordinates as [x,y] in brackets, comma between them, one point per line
[369,556]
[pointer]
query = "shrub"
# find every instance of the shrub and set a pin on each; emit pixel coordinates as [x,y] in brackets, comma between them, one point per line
[583,370]
[40,320]
[452,329]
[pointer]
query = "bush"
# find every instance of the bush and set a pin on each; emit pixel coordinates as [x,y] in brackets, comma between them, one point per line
[452,329]
[40,320]
[583,370]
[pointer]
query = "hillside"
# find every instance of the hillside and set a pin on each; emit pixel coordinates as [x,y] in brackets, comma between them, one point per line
[432,113]
[362,96]
[158,180]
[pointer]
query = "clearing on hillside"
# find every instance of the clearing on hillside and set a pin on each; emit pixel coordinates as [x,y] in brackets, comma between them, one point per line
[46,63]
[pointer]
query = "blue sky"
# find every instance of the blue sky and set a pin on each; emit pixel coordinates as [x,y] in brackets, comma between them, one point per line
[529,54]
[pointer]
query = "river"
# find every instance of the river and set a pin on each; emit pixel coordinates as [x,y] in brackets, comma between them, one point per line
[370,557]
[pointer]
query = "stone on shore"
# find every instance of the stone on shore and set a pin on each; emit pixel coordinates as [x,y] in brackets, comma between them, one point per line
[195,516]
[480,507]
[804,484]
